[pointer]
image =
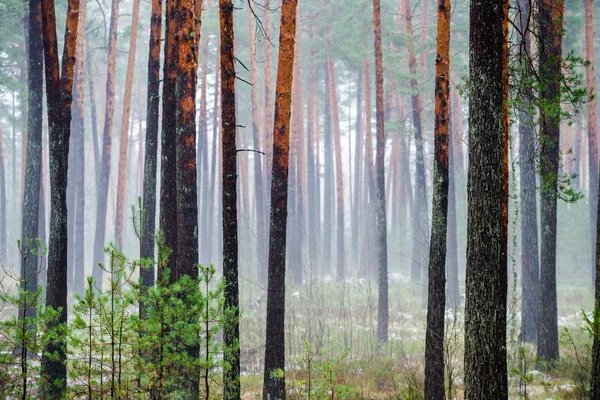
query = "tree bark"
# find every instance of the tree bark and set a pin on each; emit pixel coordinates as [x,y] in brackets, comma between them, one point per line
[168,175]
[33,167]
[229,199]
[436,303]
[274,376]
[3,250]
[550,16]
[529,226]
[59,86]
[102,193]
[151,145]
[486,275]
[124,140]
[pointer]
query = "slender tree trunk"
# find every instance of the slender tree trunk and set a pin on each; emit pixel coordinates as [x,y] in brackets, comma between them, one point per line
[328,183]
[312,170]
[421,227]
[102,193]
[529,226]
[3,219]
[487,230]
[213,167]
[358,167]
[339,176]
[94,120]
[592,125]
[78,160]
[274,383]
[203,172]
[383,303]
[151,145]
[229,198]
[59,86]
[550,16]
[124,140]
[452,287]
[33,174]
[168,175]
[436,303]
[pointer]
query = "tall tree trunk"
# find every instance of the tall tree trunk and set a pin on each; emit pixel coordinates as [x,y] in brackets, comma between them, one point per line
[203,170]
[383,303]
[151,145]
[94,119]
[168,175]
[421,228]
[592,125]
[35,84]
[229,199]
[102,193]
[436,303]
[261,230]
[312,169]
[452,287]
[358,167]
[124,140]
[529,226]
[3,219]
[339,176]
[185,161]
[550,16]
[328,183]
[78,160]
[274,383]
[487,233]
[59,86]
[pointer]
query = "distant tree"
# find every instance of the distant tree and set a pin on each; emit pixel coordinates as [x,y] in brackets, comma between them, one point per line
[59,86]
[109,111]
[274,376]
[33,174]
[3,216]
[436,303]
[487,228]
[229,198]
[550,21]
[124,140]
[592,124]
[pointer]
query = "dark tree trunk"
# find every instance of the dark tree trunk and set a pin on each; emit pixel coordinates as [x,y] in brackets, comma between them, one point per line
[274,384]
[383,305]
[59,86]
[102,193]
[487,229]
[550,16]
[229,198]
[529,226]
[151,145]
[168,175]
[436,302]
[33,174]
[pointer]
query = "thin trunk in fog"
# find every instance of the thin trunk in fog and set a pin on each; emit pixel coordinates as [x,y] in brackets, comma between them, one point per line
[421,226]
[3,219]
[358,167]
[452,284]
[529,226]
[213,163]
[436,302]
[592,126]
[77,213]
[94,118]
[151,145]
[268,111]
[168,178]
[203,170]
[274,385]
[33,167]
[312,170]
[259,190]
[487,229]
[383,303]
[229,199]
[550,16]
[59,86]
[339,175]
[328,183]
[124,140]
[109,110]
